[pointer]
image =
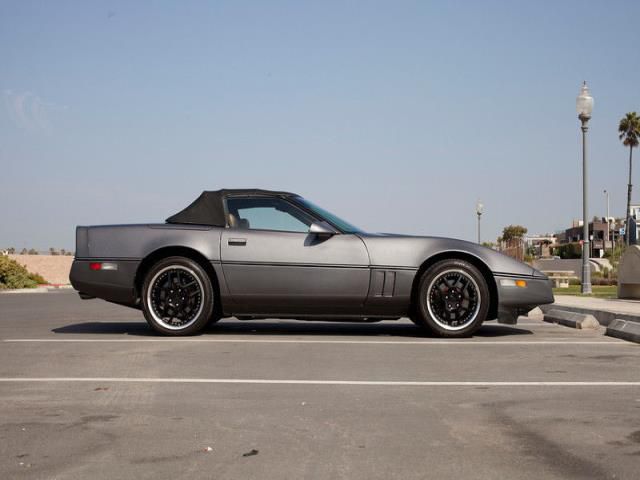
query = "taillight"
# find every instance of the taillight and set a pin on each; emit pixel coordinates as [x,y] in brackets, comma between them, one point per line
[103,266]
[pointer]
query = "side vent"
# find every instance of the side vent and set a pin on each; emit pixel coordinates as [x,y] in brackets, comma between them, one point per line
[384,283]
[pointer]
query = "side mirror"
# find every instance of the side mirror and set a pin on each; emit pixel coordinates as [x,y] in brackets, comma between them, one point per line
[322,229]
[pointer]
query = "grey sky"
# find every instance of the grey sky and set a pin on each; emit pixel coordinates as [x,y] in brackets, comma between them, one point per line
[395,115]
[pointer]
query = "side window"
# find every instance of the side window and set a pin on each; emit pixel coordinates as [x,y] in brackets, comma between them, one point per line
[265,213]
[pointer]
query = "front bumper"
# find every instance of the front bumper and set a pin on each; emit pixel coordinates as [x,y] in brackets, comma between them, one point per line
[514,301]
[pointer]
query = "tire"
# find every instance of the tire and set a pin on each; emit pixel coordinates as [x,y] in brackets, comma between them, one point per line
[178,297]
[453,299]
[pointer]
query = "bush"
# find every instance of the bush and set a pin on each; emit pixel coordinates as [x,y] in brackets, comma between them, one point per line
[39,279]
[569,251]
[618,251]
[14,275]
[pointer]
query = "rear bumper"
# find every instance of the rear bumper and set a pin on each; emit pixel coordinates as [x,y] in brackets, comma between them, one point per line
[116,286]
[514,301]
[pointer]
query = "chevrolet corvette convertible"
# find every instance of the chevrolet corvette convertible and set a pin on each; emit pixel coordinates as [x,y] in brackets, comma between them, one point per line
[264,254]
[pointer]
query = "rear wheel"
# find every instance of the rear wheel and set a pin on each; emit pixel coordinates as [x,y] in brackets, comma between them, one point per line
[453,299]
[177,297]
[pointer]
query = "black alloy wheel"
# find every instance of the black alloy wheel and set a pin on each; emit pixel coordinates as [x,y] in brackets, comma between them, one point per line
[177,297]
[453,299]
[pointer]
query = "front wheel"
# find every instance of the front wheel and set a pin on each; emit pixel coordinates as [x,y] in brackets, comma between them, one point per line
[177,297]
[453,299]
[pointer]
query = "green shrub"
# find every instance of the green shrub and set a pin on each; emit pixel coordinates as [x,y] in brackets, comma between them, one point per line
[569,251]
[14,275]
[618,251]
[39,279]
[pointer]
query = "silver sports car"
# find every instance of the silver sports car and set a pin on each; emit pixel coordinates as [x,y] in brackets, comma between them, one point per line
[265,254]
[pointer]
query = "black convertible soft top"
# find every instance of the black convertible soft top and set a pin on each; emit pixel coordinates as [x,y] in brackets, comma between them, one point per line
[208,208]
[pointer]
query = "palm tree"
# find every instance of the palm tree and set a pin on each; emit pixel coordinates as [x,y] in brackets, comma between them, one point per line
[629,130]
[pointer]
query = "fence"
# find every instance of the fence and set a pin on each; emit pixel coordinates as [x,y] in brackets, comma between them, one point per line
[513,248]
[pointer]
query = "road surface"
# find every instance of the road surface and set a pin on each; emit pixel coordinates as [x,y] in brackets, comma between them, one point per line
[88,391]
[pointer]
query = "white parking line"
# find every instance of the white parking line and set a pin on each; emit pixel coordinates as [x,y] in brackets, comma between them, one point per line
[319,382]
[444,342]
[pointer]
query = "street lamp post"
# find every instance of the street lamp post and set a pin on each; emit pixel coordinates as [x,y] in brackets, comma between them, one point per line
[479,210]
[609,224]
[584,107]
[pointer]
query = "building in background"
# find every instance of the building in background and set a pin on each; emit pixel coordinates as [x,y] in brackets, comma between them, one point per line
[540,246]
[604,234]
[598,236]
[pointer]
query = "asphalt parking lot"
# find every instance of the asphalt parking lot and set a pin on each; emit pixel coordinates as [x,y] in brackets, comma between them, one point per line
[87,391]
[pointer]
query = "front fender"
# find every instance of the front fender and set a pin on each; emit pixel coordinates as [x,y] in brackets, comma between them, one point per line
[411,252]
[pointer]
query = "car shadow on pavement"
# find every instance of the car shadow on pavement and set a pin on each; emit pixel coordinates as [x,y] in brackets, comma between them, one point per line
[286,327]
[384,329]
[128,328]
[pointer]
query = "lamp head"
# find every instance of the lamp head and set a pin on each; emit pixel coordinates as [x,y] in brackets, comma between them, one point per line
[584,102]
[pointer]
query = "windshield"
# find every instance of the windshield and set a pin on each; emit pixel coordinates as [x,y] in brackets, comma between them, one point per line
[342,225]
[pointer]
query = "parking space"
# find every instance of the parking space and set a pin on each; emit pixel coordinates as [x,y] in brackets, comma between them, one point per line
[87,391]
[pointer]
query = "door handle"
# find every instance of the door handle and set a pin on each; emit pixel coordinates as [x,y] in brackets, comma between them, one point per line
[237,242]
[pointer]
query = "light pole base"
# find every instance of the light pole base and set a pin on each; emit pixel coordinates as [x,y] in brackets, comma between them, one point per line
[585,287]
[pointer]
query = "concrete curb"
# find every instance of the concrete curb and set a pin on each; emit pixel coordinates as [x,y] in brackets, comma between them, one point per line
[571,319]
[535,313]
[43,289]
[624,330]
[604,317]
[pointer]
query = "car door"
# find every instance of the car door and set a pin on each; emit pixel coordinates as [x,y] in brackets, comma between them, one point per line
[272,264]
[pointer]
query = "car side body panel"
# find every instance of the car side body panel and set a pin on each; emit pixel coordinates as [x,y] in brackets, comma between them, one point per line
[401,256]
[128,246]
[137,241]
[288,272]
